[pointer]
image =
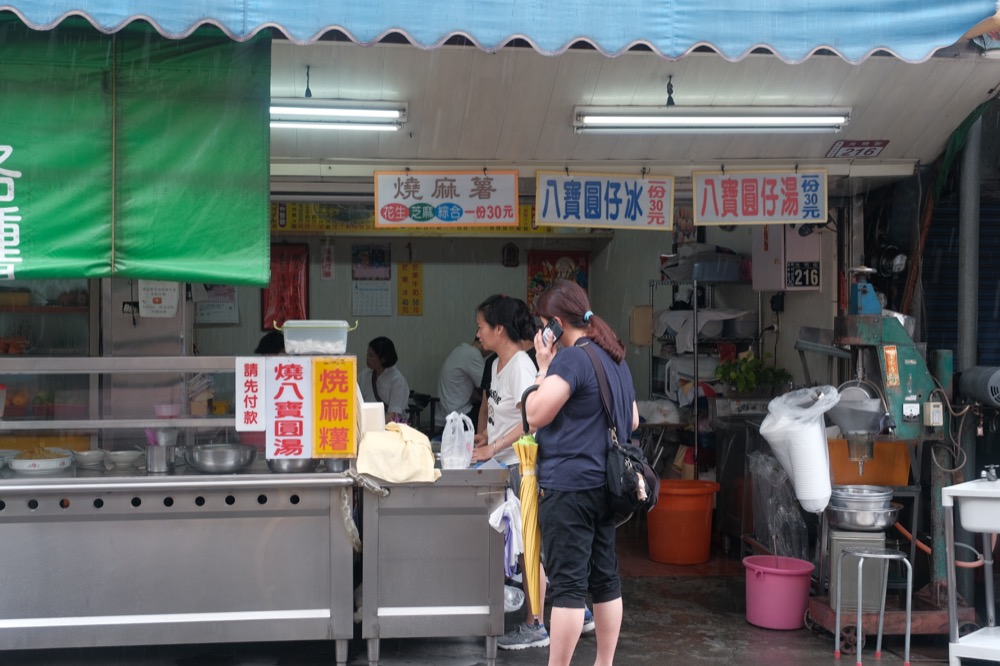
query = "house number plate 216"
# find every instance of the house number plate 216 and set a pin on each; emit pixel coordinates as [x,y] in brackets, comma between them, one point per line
[802,274]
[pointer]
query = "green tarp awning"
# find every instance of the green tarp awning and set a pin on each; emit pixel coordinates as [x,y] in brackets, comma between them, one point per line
[131,155]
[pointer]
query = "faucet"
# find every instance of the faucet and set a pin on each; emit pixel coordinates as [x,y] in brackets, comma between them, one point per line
[990,473]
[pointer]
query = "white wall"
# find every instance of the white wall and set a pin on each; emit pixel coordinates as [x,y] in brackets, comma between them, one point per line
[459,273]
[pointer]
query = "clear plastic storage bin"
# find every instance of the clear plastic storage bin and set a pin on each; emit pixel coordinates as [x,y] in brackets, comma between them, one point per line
[308,336]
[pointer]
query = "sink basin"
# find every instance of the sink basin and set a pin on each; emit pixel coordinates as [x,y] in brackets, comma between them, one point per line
[978,504]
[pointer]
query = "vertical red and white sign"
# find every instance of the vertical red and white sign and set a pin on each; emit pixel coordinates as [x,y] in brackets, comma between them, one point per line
[289,407]
[250,394]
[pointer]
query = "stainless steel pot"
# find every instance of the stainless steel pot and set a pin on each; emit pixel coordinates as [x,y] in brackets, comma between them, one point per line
[861,498]
[220,458]
[862,520]
[292,465]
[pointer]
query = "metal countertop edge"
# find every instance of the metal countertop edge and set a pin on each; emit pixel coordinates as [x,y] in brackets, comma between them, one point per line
[9,487]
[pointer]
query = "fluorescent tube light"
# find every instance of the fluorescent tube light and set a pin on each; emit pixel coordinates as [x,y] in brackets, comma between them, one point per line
[320,125]
[709,120]
[314,113]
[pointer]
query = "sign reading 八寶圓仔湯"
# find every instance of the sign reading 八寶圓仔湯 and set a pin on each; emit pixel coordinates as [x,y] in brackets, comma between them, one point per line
[759,197]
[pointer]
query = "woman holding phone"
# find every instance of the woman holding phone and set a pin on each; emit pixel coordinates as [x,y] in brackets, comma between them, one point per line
[575,516]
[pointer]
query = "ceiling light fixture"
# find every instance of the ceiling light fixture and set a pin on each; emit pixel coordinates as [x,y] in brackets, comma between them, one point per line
[708,119]
[337,115]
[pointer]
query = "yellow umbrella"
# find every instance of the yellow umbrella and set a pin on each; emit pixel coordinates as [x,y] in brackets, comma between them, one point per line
[527,452]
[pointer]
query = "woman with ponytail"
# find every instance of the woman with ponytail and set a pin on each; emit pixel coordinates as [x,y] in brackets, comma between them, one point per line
[576,518]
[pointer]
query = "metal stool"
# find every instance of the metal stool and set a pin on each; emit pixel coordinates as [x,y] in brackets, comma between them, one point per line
[879,554]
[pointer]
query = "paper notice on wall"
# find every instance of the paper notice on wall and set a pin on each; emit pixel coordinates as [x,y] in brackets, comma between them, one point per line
[215,304]
[158,299]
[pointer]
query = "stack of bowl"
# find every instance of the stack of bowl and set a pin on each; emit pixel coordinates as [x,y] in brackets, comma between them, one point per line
[860,508]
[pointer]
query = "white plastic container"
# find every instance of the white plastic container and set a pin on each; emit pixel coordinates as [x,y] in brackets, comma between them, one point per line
[308,336]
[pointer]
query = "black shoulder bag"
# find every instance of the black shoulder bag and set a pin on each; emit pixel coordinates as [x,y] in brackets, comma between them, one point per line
[632,484]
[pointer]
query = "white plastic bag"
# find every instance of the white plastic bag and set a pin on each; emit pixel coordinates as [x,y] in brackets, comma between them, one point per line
[457,441]
[795,430]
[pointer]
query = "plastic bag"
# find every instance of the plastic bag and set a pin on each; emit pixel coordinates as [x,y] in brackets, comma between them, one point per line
[398,454]
[457,441]
[794,428]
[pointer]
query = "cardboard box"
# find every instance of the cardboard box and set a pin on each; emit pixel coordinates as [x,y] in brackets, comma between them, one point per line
[640,325]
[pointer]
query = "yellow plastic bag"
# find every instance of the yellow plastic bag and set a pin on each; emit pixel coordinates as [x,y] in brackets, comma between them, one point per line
[398,454]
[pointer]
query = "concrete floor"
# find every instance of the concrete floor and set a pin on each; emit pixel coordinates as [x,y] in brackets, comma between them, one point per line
[686,615]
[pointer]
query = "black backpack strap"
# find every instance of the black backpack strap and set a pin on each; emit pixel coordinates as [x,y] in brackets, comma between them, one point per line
[602,381]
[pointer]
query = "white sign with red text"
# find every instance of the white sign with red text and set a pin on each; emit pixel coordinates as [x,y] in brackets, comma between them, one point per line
[759,197]
[289,407]
[251,393]
[435,199]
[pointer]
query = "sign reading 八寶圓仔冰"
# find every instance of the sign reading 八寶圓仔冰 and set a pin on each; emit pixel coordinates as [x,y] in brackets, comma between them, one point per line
[759,197]
[612,201]
[433,199]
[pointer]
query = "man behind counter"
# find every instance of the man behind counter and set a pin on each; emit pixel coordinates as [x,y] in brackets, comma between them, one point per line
[458,383]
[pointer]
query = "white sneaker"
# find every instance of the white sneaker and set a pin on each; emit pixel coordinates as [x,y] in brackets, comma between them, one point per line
[588,621]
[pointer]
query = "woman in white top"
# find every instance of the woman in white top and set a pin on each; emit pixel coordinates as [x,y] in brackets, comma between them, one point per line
[502,324]
[383,382]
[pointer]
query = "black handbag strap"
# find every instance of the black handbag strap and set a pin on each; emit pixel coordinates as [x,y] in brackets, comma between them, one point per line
[602,382]
[378,398]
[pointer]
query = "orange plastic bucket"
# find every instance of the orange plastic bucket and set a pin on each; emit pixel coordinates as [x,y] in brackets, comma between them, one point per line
[680,527]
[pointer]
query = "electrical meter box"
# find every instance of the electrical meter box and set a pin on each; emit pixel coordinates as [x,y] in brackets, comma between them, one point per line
[785,260]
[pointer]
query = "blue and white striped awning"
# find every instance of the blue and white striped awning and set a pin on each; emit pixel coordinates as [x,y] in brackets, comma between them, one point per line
[792,29]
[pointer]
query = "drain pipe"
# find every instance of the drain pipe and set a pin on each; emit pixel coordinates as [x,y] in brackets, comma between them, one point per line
[967,350]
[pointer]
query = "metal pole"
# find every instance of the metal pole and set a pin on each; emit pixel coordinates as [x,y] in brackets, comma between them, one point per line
[967,349]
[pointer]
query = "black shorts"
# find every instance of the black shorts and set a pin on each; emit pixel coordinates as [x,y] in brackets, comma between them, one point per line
[578,538]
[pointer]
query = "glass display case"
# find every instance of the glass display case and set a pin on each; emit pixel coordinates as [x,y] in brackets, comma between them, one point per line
[89,425]
[49,319]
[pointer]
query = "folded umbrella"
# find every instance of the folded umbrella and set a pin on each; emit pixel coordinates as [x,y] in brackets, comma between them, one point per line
[527,452]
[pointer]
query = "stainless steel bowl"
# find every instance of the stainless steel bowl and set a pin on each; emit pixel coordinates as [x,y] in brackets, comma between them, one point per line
[862,520]
[292,465]
[861,498]
[220,458]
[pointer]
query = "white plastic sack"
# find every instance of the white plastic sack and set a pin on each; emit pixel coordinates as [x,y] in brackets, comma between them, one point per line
[794,428]
[457,441]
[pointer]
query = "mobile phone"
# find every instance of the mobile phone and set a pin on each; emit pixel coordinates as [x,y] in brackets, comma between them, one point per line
[552,332]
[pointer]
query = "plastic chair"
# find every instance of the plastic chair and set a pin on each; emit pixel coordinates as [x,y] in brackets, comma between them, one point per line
[879,554]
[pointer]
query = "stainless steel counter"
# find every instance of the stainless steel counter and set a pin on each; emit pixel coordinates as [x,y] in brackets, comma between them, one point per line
[135,559]
[432,564]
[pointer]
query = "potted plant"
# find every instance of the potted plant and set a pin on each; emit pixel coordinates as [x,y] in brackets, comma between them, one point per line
[747,375]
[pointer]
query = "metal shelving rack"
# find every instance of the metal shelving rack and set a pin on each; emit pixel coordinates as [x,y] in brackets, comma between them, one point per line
[709,286]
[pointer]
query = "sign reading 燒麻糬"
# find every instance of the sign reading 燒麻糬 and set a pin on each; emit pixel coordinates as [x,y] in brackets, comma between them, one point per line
[612,201]
[335,379]
[759,197]
[434,199]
